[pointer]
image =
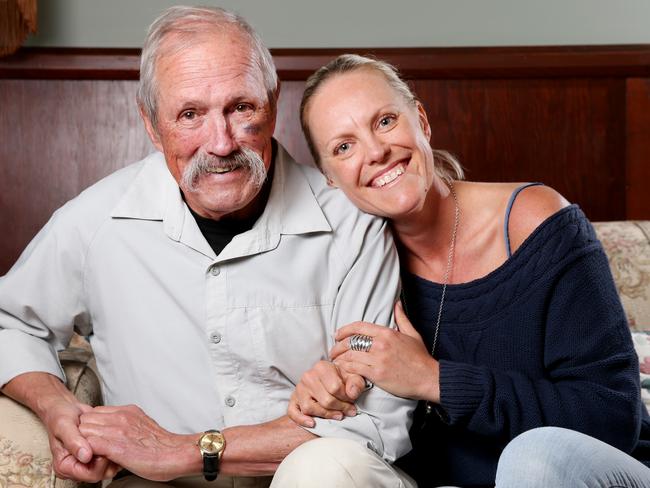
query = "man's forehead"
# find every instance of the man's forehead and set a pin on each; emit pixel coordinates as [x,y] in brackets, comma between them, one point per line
[226,41]
[208,60]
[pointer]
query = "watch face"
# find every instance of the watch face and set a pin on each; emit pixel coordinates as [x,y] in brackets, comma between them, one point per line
[212,442]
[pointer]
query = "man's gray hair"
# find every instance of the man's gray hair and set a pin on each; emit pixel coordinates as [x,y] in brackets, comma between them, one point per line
[446,165]
[186,23]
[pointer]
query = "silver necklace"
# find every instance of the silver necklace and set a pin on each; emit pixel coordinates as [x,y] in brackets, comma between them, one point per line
[445,282]
[450,264]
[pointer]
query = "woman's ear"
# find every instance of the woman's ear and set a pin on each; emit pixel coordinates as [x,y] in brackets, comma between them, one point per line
[330,181]
[424,121]
[328,178]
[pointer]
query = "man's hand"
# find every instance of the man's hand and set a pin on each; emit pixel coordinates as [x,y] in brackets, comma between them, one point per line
[62,424]
[326,392]
[59,410]
[130,438]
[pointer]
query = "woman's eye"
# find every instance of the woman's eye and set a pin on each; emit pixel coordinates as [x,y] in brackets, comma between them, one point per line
[341,148]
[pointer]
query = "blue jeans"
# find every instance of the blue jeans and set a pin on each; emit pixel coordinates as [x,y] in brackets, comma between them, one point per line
[554,457]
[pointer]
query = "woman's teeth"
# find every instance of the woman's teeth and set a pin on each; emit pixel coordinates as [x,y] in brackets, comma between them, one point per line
[388,177]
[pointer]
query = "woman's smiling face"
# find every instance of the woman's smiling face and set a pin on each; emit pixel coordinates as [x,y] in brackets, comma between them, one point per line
[372,143]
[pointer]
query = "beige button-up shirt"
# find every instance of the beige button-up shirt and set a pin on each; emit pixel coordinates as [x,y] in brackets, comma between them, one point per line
[196,340]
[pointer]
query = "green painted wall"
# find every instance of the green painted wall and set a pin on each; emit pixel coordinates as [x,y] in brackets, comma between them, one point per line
[364,23]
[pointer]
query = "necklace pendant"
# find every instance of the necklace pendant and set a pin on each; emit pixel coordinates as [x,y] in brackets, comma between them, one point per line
[426,417]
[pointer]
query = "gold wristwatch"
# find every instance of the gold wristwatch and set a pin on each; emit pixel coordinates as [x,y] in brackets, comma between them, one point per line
[211,444]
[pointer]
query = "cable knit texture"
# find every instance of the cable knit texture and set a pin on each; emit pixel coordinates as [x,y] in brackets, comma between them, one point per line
[542,340]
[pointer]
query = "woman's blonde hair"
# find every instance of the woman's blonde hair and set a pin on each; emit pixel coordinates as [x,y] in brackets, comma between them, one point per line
[446,165]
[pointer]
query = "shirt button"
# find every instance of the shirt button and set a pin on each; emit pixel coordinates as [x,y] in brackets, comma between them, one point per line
[215,337]
[230,401]
[215,270]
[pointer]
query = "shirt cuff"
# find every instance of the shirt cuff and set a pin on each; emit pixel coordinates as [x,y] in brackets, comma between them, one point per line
[22,353]
[358,428]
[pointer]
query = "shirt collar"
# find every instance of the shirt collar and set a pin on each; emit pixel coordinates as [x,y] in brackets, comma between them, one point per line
[292,207]
[146,196]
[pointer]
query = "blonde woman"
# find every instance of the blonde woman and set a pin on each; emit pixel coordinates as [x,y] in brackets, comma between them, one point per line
[516,321]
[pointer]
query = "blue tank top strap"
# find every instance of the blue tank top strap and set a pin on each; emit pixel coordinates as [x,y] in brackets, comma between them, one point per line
[509,208]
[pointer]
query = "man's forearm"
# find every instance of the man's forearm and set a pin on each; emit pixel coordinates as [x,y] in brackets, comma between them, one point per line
[255,450]
[251,450]
[37,391]
[130,438]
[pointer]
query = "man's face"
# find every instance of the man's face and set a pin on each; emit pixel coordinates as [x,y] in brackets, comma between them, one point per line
[211,106]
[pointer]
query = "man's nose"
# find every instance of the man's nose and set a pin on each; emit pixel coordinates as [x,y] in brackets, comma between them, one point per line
[221,140]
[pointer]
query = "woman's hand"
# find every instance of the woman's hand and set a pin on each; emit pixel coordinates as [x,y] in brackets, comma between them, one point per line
[398,360]
[326,392]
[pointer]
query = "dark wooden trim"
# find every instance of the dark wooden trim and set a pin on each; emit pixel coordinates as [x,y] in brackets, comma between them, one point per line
[485,62]
[636,150]
[296,64]
[72,64]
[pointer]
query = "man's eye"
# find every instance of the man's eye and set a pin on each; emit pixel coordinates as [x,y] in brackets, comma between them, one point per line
[242,107]
[188,115]
[386,121]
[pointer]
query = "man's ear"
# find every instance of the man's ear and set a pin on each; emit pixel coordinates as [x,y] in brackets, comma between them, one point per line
[151,130]
[424,121]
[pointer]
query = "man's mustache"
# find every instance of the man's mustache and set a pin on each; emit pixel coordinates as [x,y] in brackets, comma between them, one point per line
[203,164]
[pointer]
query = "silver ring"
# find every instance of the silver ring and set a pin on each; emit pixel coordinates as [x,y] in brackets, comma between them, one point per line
[360,342]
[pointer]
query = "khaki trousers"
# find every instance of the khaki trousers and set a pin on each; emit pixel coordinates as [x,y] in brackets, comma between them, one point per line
[320,463]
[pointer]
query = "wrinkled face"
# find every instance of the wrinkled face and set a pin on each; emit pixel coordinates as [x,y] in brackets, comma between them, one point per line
[214,121]
[372,143]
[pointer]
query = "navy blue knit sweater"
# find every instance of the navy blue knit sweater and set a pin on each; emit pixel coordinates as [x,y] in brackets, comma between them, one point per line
[542,340]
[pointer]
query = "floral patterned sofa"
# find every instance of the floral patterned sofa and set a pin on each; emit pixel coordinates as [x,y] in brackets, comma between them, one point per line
[24,452]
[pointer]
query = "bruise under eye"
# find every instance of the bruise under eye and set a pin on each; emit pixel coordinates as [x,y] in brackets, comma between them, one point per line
[252,129]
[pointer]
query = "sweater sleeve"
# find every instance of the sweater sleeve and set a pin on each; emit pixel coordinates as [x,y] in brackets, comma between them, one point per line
[589,378]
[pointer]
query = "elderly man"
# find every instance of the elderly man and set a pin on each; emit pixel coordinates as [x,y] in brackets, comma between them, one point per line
[209,277]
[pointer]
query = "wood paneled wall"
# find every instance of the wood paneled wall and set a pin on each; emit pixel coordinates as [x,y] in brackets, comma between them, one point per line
[576,118]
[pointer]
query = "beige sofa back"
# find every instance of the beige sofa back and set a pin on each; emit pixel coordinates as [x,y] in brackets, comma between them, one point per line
[627,244]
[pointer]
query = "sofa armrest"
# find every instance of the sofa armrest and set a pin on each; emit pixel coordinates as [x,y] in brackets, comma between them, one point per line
[25,458]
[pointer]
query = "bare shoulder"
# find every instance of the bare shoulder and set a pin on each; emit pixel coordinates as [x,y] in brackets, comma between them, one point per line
[533,206]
